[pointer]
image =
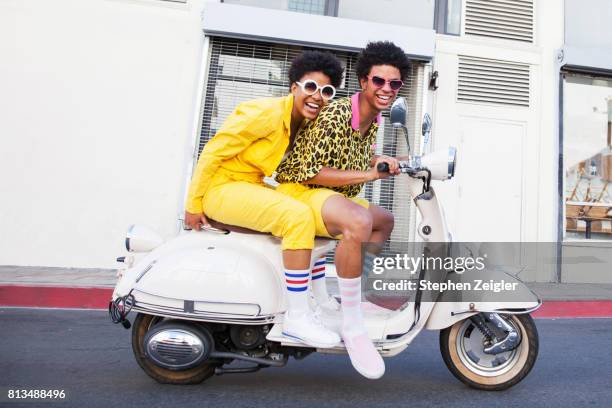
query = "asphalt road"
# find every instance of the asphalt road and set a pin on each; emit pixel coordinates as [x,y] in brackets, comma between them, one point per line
[83,353]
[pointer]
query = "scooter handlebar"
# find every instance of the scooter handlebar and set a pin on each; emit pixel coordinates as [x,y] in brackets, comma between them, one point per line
[383,167]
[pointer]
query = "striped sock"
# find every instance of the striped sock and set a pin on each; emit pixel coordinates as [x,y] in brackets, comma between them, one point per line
[297,291]
[350,292]
[319,287]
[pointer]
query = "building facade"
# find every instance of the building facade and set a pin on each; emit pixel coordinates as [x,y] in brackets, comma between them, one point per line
[107,112]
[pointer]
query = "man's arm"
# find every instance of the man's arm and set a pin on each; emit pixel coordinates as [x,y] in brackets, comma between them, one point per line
[330,177]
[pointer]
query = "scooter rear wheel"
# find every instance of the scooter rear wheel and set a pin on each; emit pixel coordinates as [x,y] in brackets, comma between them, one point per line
[462,347]
[142,324]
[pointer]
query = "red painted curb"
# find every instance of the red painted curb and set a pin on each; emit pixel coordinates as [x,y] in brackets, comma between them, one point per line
[575,308]
[55,297]
[98,298]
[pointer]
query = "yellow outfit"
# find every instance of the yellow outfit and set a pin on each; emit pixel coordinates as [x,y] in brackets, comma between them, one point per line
[227,184]
[315,198]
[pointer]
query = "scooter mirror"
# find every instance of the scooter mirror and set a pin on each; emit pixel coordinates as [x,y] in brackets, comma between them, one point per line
[426,128]
[399,111]
[399,117]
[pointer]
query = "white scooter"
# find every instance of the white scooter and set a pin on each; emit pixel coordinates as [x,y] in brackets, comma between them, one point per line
[206,299]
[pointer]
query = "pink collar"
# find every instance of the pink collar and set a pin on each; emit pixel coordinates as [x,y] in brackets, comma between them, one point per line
[355,112]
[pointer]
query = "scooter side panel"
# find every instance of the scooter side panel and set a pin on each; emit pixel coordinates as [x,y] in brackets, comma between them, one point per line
[223,274]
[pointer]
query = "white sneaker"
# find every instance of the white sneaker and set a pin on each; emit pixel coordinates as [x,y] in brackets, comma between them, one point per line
[309,330]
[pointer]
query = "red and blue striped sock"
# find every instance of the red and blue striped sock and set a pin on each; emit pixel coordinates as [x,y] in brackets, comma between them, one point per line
[319,287]
[297,291]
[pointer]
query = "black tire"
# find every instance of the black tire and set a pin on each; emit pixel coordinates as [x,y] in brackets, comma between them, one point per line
[519,363]
[142,324]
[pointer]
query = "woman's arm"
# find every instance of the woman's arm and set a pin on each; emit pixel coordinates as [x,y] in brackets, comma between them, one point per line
[245,125]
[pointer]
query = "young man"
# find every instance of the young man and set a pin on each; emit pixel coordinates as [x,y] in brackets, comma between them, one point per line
[329,164]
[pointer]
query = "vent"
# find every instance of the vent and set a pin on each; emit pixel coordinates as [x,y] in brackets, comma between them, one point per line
[493,81]
[507,19]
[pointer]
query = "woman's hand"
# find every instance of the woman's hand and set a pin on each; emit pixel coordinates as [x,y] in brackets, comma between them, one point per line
[195,221]
[394,168]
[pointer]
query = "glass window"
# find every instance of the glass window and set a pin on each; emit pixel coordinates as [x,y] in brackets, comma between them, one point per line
[448,17]
[587,156]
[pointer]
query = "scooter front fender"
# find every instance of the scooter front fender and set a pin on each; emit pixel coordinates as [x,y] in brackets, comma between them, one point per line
[446,313]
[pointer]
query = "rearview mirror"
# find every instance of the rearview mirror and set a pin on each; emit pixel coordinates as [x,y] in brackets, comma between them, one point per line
[399,117]
[399,111]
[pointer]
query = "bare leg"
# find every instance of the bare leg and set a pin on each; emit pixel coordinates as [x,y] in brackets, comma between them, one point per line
[382,224]
[342,216]
[356,224]
[297,258]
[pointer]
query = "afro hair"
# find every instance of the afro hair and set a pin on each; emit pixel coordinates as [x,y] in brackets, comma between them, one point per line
[316,61]
[382,53]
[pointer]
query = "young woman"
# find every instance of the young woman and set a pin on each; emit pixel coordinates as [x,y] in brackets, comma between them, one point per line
[227,184]
[327,168]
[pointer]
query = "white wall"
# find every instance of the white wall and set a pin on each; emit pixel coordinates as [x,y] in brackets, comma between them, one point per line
[587,24]
[97,104]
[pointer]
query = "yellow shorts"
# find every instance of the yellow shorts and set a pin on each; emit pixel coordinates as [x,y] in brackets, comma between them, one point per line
[315,198]
[261,208]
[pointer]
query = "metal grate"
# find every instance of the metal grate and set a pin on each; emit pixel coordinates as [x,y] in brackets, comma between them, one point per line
[493,81]
[240,70]
[507,19]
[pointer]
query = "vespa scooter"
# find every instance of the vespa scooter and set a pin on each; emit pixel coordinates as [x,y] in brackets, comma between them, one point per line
[209,298]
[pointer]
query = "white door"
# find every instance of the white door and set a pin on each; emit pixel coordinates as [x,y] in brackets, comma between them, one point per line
[489,177]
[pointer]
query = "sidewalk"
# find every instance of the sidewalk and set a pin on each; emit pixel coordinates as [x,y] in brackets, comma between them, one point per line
[92,289]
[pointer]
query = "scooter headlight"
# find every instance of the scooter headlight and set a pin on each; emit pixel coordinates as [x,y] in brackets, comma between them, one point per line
[142,239]
[440,163]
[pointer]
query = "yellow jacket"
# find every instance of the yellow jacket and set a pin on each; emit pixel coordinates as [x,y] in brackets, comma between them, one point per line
[250,144]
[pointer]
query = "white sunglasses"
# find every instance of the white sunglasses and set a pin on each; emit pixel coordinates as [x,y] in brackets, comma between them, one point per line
[310,87]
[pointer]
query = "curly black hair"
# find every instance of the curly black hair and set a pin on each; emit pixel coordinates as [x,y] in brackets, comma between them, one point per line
[316,61]
[382,53]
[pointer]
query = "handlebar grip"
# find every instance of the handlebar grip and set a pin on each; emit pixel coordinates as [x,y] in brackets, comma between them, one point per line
[383,167]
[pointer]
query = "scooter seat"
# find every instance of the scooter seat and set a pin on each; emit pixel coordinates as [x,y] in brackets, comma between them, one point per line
[233,228]
[243,230]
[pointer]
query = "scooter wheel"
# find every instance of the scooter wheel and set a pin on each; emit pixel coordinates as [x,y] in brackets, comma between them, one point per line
[462,347]
[195,375]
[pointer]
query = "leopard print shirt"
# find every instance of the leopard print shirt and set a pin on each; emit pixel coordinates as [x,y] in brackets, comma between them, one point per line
[329,141]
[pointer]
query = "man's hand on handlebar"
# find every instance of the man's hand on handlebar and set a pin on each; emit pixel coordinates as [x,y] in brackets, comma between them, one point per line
[381,171]
[195,221]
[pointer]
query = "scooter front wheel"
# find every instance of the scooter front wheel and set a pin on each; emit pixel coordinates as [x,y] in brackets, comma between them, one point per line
[462,346]
[143,323]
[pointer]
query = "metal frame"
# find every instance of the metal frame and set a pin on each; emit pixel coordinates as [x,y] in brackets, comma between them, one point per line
[567,69]
[560,184]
